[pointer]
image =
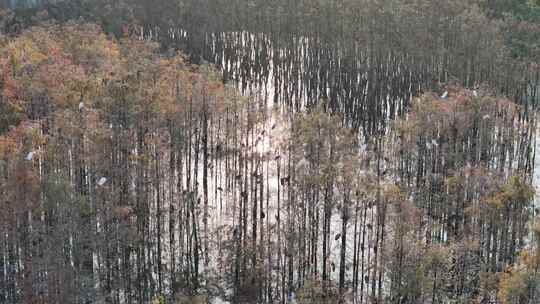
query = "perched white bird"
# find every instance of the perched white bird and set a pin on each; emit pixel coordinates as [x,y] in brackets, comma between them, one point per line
[102,181]
[485,117]
[434,143]
[30,156]
[303,163]
[444,95]
[81,106]
[475,93]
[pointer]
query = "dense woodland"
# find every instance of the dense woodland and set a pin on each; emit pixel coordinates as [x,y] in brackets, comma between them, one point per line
[285,151]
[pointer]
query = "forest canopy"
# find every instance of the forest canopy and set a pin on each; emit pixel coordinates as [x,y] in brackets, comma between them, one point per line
[269,151]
